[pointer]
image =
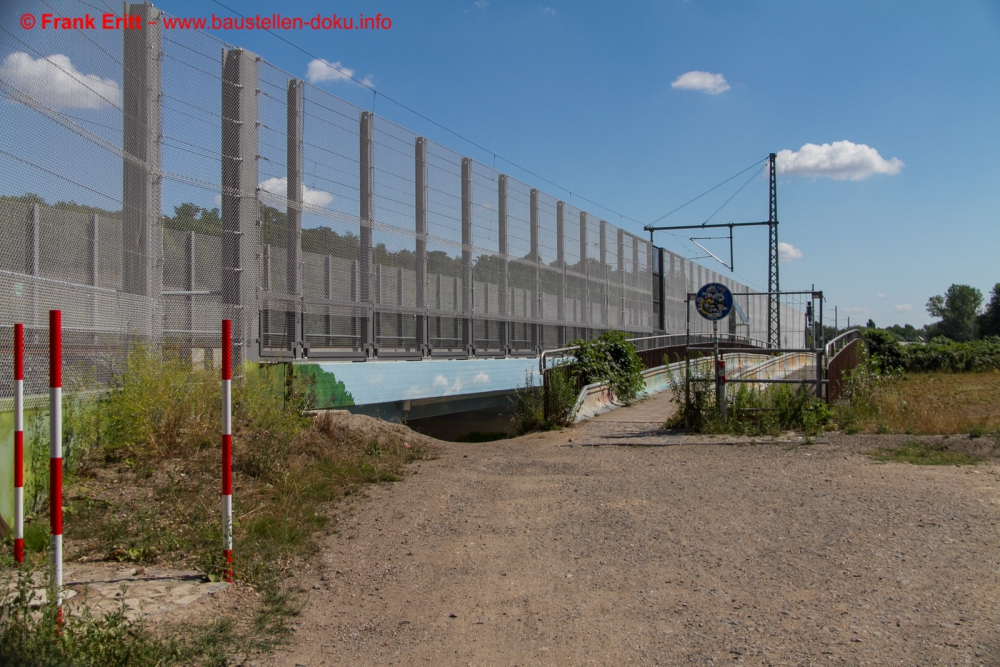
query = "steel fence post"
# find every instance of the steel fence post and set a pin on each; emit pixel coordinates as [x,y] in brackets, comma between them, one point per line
[293,227]
[535,313]
[420,213]
[240,202]
[467,295]
[141,169]
[561,267]
[367,197]
[502,281]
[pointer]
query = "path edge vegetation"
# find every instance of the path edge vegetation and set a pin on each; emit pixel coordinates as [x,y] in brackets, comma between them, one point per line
[153,438]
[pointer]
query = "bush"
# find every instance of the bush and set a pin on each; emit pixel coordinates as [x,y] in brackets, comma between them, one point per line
[884,350]
[755,412]
[870,395]
[610,359]
[560,395]
[943,354]
[529,406]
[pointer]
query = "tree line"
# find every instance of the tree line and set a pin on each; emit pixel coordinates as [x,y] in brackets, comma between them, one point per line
[961,315]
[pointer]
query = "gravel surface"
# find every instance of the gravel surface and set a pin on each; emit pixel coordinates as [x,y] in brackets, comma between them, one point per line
[568,548]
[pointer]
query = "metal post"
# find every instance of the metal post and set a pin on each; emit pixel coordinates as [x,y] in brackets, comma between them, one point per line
[265,323]
[821,348]
[621,279]
[19,443]
[189,283]
[227,450]
[55,455]
[503,286]
[293,227]
[93,234]
[32,265]
[420,211]
[536,314]
[585,270]
[561,267]
[687,361]
[239,200]
[663,293]
[715,365]
[604,275]
[467,304]
[328,295]
[141,166]
[773,284]
[367,197]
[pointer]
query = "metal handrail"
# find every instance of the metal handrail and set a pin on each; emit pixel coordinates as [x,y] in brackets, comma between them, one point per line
[681,338]
[840,342]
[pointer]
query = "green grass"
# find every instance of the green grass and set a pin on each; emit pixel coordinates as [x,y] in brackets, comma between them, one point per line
[146,491]
[30,635]
[924,454]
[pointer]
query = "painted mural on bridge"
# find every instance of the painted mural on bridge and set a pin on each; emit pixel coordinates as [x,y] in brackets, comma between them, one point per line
[339,385]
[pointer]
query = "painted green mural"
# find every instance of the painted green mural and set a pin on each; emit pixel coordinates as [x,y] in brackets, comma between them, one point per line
[328,392]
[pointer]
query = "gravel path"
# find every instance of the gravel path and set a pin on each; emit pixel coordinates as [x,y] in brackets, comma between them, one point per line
[548,550]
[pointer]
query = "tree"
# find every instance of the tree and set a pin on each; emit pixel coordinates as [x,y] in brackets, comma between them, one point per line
[989,321]
[957,308]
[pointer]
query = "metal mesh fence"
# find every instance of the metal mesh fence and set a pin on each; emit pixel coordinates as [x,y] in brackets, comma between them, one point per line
[172,180]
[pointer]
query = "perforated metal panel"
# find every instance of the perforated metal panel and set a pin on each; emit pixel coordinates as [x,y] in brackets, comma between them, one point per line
[185,180]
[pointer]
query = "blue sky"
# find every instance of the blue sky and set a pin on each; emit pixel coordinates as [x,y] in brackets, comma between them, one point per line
[641,106]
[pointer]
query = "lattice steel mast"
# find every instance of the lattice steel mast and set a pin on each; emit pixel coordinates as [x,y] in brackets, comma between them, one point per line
[773,284]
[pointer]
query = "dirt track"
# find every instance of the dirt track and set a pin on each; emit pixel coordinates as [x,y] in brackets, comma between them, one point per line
[535,552]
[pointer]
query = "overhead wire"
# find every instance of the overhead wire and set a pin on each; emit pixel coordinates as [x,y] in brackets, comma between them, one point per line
[486,150]
[710,190]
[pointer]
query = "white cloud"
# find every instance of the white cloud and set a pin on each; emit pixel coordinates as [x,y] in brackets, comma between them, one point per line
[787,252]
[320,70]
[904,307]
[56,83]
[273,194]
[841,160]
[880,295]
[482,4]
[481,378]
[448,388]
[710,84]
[548,10]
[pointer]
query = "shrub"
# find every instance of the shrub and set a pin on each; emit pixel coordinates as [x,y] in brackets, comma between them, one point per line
[943,354]
[884,349]
[767,411]
[560,395]
[529,406]
[611,359]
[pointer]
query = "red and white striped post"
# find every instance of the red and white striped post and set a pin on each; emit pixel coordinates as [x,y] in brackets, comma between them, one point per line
[19,443]
[227,448]
[55,451]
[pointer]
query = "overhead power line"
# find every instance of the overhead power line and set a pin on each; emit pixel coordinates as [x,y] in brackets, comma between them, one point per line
[710,190]
[433,122]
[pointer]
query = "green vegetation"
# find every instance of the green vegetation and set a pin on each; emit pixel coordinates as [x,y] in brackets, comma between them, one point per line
[142,486]
[529,407]
[30,636]
[924,454]
[610,359]
[958,309]
[750,411]
[941,354]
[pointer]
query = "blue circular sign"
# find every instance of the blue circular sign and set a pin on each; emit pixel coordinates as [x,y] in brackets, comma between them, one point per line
[713,301]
